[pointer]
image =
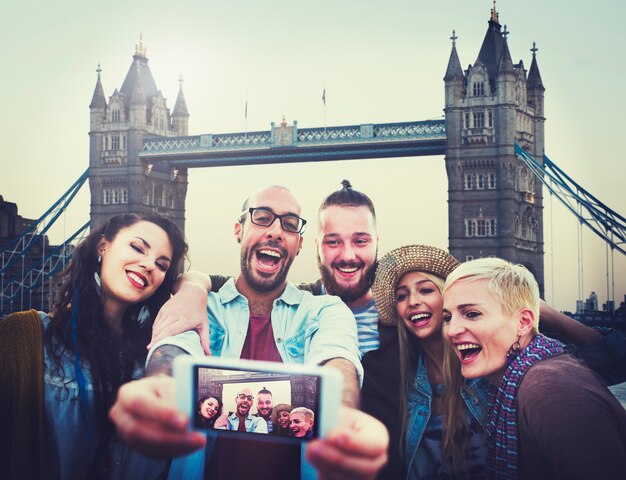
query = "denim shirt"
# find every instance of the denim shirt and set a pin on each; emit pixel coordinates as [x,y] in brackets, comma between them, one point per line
[419,406]
[307,329]
[72,438]
[253,423]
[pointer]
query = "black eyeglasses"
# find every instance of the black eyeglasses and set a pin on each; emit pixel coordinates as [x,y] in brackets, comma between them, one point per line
[264,218]
[243,396]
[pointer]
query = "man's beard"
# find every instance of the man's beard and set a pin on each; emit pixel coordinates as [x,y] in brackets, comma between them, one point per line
[259,282]
[353,292]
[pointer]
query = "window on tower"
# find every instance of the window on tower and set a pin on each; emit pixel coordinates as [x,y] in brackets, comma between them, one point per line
[115,115]
[114,196]
[479,180]
[115,142]
[479,119]
[478,89]
[480,227]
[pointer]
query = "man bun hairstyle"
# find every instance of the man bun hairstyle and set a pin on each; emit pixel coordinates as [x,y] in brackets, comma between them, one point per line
[348,197]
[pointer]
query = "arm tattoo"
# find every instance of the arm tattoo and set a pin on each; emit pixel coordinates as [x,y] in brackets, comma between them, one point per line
[161,360]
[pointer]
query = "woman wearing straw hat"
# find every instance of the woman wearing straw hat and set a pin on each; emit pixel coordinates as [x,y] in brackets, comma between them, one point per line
[407,291]
[408,294]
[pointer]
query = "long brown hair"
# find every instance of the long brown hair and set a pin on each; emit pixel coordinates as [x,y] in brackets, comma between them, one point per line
[409,353]
[78,325]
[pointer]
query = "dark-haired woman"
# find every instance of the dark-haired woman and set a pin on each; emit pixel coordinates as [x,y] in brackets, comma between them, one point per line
[209,410]
[68,366]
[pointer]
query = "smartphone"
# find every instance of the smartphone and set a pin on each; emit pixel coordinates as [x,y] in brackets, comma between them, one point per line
[258,400]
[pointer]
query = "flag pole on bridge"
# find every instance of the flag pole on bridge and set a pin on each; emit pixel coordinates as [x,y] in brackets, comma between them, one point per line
[324,101]
[245,113]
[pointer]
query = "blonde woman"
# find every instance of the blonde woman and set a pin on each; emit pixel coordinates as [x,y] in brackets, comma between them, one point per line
[549,415]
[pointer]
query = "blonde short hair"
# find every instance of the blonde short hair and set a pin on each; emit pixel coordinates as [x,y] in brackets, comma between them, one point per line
[511,284]
[307,412]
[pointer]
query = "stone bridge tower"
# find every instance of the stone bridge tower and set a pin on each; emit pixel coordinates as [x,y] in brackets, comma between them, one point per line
[495,203]
[119,181]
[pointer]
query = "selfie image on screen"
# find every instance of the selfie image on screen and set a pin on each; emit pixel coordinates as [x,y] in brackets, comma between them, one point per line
[253,402]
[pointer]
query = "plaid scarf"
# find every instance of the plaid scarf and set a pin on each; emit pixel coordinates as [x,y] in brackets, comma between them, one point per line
[502,424]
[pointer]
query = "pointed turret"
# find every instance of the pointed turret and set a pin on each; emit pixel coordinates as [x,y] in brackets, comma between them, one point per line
[534,77]
[505,64]
[98,100]
[98,104]
[492,47]
[455,91]
[454,70]
[180,115]
[534,85]
[139,76]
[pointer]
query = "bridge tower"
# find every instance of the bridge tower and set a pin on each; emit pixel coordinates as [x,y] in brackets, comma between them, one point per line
[495,203]
[119,181]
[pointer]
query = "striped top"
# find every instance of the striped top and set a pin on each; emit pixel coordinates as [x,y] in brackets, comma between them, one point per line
[366,325]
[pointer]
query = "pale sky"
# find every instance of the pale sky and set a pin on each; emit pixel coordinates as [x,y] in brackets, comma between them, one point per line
[378,62]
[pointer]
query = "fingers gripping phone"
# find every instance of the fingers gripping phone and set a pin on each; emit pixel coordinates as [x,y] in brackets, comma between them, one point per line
[258,400]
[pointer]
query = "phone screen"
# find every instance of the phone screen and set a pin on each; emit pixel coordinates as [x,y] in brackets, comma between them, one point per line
[251,402]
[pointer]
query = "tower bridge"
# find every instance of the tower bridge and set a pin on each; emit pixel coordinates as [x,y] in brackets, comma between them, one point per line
[140,154]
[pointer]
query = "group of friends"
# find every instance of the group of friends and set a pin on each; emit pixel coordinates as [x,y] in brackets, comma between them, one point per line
[445,372]
[282,420]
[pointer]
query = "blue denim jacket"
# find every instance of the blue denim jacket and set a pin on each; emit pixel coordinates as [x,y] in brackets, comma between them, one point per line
[72,443]
[307,329]
[419,406]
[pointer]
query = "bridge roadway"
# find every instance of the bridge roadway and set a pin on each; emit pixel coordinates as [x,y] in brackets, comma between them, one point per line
[290,144]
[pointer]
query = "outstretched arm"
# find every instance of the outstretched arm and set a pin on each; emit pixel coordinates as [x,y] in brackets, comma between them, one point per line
[145,412]
[574,331]
[603,350]
[355,449]
[351,392]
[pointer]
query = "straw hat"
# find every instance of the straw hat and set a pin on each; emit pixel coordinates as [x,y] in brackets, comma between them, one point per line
[397,262]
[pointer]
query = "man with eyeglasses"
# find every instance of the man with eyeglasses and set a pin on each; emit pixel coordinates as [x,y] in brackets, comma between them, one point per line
[242,420]
[259,315]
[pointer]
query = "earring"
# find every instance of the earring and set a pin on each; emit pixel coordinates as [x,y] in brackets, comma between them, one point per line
[96,275]
[513,352]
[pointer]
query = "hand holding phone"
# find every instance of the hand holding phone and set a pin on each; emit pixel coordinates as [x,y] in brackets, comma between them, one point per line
[261,400]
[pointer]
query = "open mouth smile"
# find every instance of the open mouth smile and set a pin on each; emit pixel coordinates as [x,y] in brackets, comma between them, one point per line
[468,351]
[420,319]
[268,258]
